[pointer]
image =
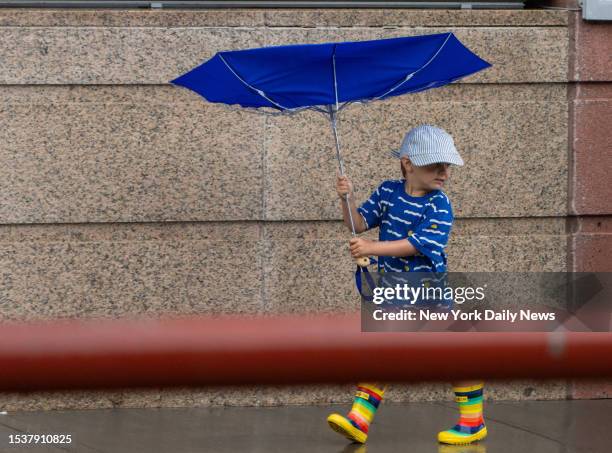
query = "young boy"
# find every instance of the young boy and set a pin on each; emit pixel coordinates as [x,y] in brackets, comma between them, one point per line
[414,217]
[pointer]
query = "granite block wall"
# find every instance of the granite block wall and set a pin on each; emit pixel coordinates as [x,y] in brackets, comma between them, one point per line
[121,195]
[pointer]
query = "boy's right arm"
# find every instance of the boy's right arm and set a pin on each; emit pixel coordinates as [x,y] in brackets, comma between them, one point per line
[344,187]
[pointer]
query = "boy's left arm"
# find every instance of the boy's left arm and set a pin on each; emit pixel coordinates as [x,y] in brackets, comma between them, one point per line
[430,236]
[364,247]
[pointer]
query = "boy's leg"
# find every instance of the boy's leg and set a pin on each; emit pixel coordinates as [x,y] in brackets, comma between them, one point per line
[471,426]
[356,424]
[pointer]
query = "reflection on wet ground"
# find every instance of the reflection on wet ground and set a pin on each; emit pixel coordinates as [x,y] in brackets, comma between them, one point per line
[522,427]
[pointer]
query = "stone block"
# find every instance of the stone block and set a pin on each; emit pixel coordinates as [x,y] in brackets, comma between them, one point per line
[592,148]
[130,18]
[590,56]
[308,269]
[79,278]
[126,155]
[515,152]
[518,54]
[112,55]
[591,389]
[473,18]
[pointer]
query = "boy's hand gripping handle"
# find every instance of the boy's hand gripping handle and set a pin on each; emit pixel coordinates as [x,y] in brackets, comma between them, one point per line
[362,261]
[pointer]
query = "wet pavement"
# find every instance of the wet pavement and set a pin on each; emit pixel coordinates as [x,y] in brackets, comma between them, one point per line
[522,427]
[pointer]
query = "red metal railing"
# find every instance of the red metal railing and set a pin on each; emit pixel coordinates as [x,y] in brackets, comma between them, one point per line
[278,350]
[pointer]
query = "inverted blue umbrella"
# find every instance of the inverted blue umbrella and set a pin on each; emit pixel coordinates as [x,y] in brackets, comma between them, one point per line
[328,77]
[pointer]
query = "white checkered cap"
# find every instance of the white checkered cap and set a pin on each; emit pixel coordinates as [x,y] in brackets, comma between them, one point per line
[427,144]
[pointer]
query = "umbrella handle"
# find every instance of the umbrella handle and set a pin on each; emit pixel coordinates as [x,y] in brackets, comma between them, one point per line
[362,261]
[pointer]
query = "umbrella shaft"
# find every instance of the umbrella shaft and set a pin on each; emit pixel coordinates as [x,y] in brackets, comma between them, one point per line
[332,117]
[335,131]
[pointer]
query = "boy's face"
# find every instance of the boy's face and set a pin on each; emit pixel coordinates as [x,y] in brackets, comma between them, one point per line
[428,177]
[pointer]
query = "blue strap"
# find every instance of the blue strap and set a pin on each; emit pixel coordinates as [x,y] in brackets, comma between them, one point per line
[368,277]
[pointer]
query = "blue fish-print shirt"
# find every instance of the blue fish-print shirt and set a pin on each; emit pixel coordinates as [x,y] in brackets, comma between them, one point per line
[424,221]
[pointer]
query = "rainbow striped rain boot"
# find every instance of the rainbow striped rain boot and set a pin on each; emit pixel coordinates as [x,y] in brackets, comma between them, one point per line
[356,424]
[471,426]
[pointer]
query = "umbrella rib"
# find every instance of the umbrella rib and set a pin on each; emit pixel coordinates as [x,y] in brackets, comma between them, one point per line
[338,107]
[347,103]
[409,76]
[257,90]
[317,109]
[335,79]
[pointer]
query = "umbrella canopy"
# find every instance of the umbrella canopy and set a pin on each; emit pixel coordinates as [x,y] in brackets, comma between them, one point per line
[327,77]
[296,77]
